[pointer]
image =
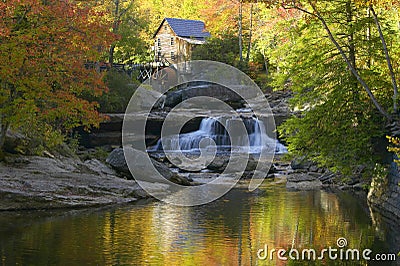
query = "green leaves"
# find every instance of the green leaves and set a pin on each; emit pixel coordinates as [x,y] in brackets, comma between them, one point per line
[338,123]
[224,49]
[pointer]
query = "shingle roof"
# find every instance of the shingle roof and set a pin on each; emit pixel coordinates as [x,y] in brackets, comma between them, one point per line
[187,28]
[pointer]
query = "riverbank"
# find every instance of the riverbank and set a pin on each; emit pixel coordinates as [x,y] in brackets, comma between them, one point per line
[32,182]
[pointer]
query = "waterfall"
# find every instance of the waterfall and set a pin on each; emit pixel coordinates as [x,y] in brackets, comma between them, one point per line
[213,130]
[259,139]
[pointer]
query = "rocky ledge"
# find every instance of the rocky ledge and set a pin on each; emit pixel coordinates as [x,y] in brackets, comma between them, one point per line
[384,195]
[46,183]
[306,175]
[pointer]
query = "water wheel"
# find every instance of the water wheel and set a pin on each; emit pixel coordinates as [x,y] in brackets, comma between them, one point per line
[165,77]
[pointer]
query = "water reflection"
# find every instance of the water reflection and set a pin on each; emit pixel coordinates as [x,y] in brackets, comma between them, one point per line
[225,232]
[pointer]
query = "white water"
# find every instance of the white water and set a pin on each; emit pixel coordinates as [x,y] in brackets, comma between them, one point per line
[212,132]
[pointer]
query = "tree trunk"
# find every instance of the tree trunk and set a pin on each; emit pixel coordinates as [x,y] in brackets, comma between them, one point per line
[240,31]
[250,34]
[3,134]
[354,71]
[111,55]
[352,50]
[350,37]
[388,60]
[368,36]
[266,63]
[114,30]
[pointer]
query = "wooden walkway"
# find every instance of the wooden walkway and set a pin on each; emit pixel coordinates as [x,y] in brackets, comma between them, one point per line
[150,70]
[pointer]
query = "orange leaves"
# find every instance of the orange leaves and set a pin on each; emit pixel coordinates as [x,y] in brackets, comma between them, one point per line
[221,16]
[43,50]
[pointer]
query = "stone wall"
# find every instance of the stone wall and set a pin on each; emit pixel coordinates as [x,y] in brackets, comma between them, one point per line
[212,90]
[384,195]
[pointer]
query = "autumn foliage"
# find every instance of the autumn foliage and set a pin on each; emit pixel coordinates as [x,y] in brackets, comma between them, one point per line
[44,46]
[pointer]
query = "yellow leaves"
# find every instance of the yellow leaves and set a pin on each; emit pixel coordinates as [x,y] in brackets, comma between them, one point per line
[394,140]
[377,3]
[395,147]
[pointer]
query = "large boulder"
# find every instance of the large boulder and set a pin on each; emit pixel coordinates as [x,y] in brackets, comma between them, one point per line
[147,99]
[301,163]
[212,90]
[117,160]
[32,182]
[173,98]
[14,141]
[303,181]
[220,163]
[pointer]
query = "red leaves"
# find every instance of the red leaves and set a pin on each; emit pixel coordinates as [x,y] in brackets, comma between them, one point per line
[43,48]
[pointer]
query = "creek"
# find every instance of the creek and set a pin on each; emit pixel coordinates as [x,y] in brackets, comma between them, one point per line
[228,231]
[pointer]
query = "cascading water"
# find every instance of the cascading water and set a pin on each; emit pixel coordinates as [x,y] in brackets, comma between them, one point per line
[212,130]
[259,139]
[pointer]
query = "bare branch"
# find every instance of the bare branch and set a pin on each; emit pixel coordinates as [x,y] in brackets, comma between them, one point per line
[346,59]
[388,60]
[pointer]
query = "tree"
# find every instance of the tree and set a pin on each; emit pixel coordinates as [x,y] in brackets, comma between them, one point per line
[129,24]
[221,17]
[44,47]
[271,34]
[121,87]
[240,31]
[343,86]
[224,49]
[249,45]
[316,12]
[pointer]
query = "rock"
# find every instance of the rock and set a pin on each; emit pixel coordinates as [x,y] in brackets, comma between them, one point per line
[353,181]
[273,169]
[203,175]
[219,163]
[383,194]
[314,174]
[47,183]
[302,181]
[148,99]
[173,98]
[314,168]
[327,178]
[116,159]
[300,163]
[158,156]
[296,178]
[213,90]
[358,187]
[247,175]
[251,164]
[13,141]
[181,180]
[95,166]
[250,175]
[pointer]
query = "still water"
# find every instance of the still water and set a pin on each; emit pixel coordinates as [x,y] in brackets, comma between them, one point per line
[228,231]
